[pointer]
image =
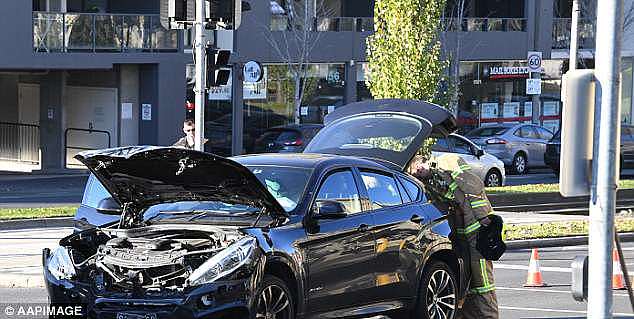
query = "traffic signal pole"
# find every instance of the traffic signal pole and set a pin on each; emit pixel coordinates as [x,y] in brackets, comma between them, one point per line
[606,155]
[200,72]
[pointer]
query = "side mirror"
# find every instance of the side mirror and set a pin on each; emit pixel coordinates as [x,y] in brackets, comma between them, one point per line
[330,209]
[108,206]
[479,152]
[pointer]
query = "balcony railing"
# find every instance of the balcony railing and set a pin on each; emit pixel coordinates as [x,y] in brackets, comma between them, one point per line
[97,32]
[561,33]
[485,24]
[280,22]
[356,24]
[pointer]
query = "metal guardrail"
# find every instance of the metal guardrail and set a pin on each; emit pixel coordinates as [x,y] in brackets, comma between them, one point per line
[484,24]
[20,142]
[561,33]
[355,24]
[78,148]
[98,32]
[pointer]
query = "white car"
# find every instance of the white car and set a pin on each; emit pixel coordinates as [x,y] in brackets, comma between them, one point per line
[485,165]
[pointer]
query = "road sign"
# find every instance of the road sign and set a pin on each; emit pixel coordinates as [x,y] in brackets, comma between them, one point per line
[252,72]
[533,86]
[534,59]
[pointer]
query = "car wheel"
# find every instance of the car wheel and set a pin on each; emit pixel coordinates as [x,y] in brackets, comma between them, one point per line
[437,299]
[493,178]
[519,164]
[274,300]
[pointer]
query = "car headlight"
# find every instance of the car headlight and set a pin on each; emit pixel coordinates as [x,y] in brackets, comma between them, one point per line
[224,262]
[60,265]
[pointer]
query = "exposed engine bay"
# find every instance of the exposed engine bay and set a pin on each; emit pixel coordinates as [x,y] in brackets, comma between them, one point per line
[144,260]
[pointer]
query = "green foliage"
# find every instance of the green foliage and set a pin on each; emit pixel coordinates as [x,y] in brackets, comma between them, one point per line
[543,188]
[23,213]
[404,51]
[558,229]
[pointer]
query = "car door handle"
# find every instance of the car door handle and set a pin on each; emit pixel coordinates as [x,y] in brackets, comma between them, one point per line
[416,219]
[363,228]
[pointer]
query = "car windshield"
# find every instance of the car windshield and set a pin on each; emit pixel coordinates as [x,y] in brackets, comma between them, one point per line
[382,131]
[285,183]
[557,136]
[197,210]
[488,131]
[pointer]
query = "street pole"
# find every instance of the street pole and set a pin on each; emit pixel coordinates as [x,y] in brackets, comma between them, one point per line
[604,163]
[574,31]
[200,67]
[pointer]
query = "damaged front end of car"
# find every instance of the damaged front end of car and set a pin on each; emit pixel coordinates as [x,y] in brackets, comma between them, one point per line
[164,269]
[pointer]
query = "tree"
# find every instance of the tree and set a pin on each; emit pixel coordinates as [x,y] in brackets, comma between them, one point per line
[404,53]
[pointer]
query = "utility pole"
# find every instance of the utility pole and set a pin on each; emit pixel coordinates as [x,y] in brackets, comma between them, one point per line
[604,165]
[574,35]
[200,68]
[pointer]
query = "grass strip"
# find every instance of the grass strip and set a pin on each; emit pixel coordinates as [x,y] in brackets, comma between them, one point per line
[43,212]
[559,229]
[543,188]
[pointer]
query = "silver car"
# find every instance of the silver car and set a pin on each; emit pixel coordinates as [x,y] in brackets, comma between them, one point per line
[487,166]
[519,146]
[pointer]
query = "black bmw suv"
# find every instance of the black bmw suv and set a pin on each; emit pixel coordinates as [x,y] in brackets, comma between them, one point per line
[339,231]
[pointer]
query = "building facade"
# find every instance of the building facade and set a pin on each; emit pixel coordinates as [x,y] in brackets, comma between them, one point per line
[84,74]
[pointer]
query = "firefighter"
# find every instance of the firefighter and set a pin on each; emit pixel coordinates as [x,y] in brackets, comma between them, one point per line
[452,184]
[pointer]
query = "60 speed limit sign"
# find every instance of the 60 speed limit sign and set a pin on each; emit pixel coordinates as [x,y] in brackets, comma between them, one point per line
[534,61]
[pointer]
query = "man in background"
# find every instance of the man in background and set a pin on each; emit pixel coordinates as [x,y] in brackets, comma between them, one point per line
[187,141]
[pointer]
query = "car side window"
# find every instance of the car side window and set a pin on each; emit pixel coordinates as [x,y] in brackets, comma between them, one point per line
[382,189]
[526,132]
[441,145]
[94,192]
[460,146]
[340,186]
[412,189]
[544,133]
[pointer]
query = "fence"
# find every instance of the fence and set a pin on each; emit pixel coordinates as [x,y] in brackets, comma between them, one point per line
[65,32]
[485,24]
[20,142]
[561,33]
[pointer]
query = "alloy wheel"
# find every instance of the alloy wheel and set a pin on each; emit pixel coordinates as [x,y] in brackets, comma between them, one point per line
[493,179]
[273,303]
[441,296]
[520,164]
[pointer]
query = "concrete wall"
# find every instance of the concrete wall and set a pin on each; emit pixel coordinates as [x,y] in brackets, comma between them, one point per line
[9,98]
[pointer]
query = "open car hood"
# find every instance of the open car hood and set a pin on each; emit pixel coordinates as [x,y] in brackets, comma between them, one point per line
[390,130]
[142,176]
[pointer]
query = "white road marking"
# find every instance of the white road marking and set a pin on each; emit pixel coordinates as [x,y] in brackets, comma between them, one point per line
[555,310]
[522,267]
[540,290]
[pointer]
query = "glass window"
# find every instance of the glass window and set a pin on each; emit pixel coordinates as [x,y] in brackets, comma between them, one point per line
[544,133]
[382,190]
[412,189]
[441,145]
[526,132]
[286,184]
[94,192]
[626,92]
[488,131]
[461,146]
[340,187]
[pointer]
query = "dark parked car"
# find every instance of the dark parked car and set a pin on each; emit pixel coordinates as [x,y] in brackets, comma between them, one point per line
[553,148]
[338,231]
[286,139]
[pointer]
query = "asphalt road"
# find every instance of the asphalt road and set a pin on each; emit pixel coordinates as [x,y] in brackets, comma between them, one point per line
[546,176]
[22,250]
[41,191]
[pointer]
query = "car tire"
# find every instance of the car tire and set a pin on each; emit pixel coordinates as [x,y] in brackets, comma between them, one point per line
[274,299]
[437,293]
[493,178]
[519,164]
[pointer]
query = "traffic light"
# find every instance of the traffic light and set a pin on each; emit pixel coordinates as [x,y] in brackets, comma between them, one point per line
[174,12]
[218,68]
[577,130]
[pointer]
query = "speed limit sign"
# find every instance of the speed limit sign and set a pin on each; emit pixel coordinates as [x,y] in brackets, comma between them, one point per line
[534,61]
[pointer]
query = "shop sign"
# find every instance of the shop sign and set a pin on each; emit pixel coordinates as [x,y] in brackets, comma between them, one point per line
[511,109]
[508,72]
[252,72]
[533,86]
[250,91]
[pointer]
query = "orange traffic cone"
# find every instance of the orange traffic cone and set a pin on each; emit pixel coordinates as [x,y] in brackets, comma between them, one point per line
[618,281]
[534,278]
